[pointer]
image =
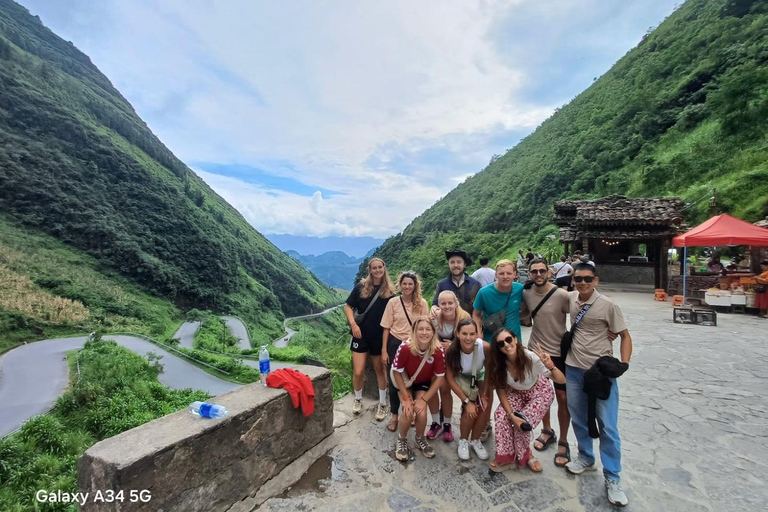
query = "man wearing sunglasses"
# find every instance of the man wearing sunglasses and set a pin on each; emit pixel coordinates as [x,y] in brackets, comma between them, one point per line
[590,342]
[551,305]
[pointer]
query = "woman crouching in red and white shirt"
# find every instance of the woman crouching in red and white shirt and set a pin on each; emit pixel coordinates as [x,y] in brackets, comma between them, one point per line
[417,385]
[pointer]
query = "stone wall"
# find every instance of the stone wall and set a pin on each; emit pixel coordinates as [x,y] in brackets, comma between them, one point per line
[192,464]
[626,273]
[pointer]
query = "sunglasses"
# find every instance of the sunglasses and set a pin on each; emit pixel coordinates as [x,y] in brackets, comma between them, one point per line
[509,339]
[537,271]
[409,273]
[586,279]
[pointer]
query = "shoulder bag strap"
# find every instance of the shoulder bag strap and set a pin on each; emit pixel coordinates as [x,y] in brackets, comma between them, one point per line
[473,382]
[412,379]
[583,312]
[406,311]
[370,305]
[551,292]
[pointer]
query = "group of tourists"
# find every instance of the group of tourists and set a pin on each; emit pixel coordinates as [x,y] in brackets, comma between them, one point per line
[469,344]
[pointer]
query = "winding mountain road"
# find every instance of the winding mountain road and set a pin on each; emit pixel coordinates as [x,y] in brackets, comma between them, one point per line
[282,342]
[186,334]
[239,331]
[34,375]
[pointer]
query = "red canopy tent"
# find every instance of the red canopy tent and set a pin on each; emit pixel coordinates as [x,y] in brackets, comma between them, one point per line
[720,230]
[723,230]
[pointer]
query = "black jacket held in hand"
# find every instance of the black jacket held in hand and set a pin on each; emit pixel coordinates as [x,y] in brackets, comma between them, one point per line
[597,384]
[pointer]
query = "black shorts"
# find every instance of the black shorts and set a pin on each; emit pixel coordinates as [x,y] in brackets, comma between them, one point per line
[563,281]
[419,386]
[364,346]
[560,365]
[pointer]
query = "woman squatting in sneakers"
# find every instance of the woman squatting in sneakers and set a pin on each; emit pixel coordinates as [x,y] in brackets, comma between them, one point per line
[520,378]
[364,309]
[397,324]
[418,371]
[445,317]
[465,373]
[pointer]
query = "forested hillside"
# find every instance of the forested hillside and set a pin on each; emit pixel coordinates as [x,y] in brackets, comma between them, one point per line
[684,112]
[78,163]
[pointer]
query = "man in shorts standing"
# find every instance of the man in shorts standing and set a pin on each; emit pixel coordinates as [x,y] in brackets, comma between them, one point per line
[464,286]
[553,305]
[590,342]
[563,272]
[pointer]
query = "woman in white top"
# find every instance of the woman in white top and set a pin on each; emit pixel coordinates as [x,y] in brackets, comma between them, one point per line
[466,353]
[521,380]
[445,317]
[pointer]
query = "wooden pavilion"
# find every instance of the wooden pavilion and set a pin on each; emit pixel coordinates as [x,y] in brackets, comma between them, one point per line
[613,229]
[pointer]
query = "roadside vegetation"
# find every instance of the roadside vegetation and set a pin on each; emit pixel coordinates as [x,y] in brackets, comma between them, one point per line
[53,290]
[325,339]
[116,390]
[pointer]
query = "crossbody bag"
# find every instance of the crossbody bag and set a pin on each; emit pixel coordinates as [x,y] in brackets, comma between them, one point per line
[567,339]
[545,299]
[497,320]
[468,385]
[408,380]
[359,317]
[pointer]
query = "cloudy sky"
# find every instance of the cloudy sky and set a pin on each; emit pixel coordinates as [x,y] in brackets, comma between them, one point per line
[346,118]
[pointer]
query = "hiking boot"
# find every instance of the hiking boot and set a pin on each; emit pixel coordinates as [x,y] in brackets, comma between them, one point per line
[487,431]
[463,449]
[579,466]
[381,412]
[447,433]
[401,449]
[479,449]
[616,494]
[425,447]
[357,408]
[434,430]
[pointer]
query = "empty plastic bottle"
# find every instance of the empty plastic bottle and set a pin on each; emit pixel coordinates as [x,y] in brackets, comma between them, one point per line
[207,410]
[264,364]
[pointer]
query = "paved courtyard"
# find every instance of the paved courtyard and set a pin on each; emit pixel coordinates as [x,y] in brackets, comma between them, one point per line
[693,420]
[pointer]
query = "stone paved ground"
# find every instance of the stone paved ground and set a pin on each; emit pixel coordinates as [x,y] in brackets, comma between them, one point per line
[693,421]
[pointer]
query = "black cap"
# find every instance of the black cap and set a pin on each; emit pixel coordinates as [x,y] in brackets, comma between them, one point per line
[457,252]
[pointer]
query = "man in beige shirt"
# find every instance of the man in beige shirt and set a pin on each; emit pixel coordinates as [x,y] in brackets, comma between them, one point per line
[595,315]
[548,330]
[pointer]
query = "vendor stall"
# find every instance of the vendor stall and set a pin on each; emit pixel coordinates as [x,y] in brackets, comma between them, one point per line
[719,231]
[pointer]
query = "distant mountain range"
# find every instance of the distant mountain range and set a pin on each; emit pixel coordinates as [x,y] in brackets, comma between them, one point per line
[333,268]
[355,246]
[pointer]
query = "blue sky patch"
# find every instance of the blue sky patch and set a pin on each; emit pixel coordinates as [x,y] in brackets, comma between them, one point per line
[256,176]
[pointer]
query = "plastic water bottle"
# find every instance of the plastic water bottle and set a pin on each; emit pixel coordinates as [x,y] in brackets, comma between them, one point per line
[207,410]
[263,364]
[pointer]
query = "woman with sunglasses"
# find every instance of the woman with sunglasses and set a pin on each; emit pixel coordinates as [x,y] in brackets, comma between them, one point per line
[420,361]
[465,375]
[396,324]
[520,378]
[445,317]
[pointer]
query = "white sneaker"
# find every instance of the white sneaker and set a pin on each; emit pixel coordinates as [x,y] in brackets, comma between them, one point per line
[616,494]
[479,449]
[357,407]
[463,449]
[578,466]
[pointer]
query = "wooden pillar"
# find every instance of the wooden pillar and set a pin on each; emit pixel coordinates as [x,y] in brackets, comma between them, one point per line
[664,244]
[655,247]
[565,249]
[585,246]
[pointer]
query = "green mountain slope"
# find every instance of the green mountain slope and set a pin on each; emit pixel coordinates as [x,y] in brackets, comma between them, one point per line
[683,112]
[78,163]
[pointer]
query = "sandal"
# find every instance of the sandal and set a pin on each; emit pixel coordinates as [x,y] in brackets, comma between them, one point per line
[525,426]
[392,425]
[545,444]
[566,455]
[499,468]
[532,461]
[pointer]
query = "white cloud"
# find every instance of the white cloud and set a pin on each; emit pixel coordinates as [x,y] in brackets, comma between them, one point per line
[359,97]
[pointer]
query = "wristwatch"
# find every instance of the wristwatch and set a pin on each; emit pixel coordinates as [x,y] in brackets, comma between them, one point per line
[465,401]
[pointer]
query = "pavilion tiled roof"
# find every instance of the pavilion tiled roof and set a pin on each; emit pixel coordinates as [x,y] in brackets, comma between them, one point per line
[620,210]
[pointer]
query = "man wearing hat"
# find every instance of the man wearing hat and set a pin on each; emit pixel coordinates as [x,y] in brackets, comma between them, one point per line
[464,286]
